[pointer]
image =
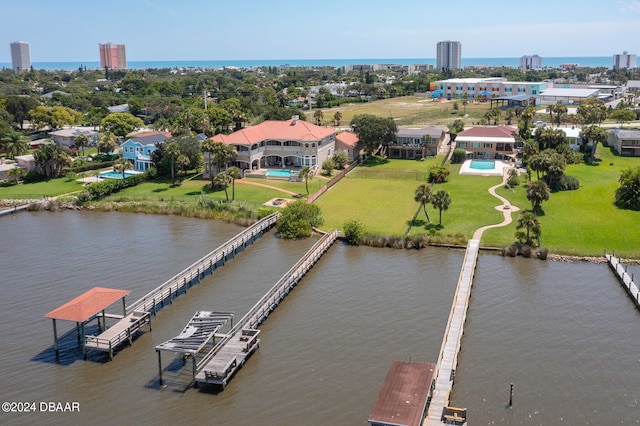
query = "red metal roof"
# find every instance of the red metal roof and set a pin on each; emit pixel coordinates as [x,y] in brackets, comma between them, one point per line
[87,304]
[284,130]
[489,132]
[348,138]
[403,397]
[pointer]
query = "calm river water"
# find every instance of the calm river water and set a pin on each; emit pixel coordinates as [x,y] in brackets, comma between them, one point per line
[564,334]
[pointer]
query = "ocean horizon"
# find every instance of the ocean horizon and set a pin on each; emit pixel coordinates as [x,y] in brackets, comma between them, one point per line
[552,62]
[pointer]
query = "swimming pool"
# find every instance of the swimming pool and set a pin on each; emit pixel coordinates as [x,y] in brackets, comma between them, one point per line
[482,164]
[115,175]
[279,173]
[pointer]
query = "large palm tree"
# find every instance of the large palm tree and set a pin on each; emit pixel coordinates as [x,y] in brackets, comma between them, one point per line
[441,200]
[122,165]
[306,174]
[529,223]
[318,115]
[234,173]
[337,117]
[14,144]
[424,196]
[537,192]
[107,143]
[50,159]
[173,151]
[223,180]
[15,173]
[81,141]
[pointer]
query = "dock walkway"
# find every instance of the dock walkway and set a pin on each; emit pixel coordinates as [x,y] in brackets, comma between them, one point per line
[220,364]
[121,332]
[171,288]
[625,279]
[448,359]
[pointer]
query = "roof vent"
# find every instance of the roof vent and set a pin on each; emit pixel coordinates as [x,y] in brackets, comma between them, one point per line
[294,119]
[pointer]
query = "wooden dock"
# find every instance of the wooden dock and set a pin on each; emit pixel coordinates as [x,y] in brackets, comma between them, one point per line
[627,281]
[221,363]
[448,359]
[121,332]
[180,283]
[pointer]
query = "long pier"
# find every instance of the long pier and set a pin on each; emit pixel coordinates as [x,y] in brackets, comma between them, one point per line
[139,312]
[448,358]
[627,281]
[220,364]
[184,279]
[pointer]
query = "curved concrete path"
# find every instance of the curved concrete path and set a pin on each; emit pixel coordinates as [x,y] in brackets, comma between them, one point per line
[506,208]
[244,182]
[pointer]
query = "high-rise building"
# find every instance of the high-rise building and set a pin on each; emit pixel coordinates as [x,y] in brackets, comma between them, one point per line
[624,61]
[113,56]
[20,59]
[449,54]
[533,62]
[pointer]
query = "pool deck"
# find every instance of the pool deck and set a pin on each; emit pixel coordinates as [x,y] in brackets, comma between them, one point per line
[498,169]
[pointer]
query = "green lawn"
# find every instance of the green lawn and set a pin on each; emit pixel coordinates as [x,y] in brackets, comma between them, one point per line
[50,188]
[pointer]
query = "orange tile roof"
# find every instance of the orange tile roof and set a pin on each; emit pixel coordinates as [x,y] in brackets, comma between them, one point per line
[489,132]
[348,138]
[137,135]
[285,130]
[87,304]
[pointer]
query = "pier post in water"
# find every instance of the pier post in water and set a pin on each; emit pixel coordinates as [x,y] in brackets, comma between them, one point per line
[511,395]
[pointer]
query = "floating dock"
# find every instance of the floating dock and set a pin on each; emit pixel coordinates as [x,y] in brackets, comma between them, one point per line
[221,363]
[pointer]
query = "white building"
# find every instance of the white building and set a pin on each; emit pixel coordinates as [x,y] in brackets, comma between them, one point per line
[449,55]
[532,62]
[624,61]
[20,59]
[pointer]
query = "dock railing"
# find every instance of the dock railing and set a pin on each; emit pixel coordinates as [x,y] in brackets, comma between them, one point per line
[259,312]
[199,269]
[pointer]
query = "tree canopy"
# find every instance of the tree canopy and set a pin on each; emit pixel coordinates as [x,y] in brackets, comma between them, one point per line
[373,131]
[121,123]
[298,220]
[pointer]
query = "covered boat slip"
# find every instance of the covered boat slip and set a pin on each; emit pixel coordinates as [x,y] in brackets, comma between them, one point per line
[200,330]
[91,305]
[402,399]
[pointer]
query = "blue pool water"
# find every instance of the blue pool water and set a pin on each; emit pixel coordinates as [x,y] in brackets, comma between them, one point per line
[482,164]
[278,173]
[115,175]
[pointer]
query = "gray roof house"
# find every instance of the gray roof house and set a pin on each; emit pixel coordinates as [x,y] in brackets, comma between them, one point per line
[415,143]
[624,142]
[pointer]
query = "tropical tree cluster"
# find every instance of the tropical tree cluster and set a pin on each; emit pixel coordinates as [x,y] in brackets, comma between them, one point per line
[627,195]
[440,200]
[374,131]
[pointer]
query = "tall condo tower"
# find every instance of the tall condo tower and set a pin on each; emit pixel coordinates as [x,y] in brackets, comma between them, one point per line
[113,56]
[449,54]
[533,62]
[20,59]
[625,61]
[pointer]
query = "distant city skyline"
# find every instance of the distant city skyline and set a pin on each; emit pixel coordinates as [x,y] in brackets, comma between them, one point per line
[156,30]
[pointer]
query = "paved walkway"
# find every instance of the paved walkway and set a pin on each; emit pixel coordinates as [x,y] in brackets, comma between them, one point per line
[246,182]
[506,208]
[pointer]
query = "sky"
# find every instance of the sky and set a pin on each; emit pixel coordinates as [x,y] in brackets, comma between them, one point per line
[172,30]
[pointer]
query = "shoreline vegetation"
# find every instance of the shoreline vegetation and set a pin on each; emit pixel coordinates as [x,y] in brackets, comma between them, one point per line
[457,242]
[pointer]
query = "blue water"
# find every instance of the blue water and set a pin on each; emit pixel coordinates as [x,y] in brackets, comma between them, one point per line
[482,164]
[595,61]
[278,173]
[115,175]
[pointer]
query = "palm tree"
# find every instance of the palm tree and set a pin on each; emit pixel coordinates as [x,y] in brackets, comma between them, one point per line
[441,200]
[107,143]
[559,109]
[306,174]
[172,150]
[15,173]
[594,134]
[318,115]
[530,224]
[81,141]
[223,180]
[183,162]
[234,173]
[122,165]
[15,144]
[424,196]
[337,117]
[50,159]
[537,192]
[219,155]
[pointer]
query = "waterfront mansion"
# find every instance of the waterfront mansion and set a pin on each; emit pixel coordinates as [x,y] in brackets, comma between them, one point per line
[285,144]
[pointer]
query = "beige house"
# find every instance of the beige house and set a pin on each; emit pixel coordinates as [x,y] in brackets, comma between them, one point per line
[66,138]
[286,144]
[490,142]
[347,142]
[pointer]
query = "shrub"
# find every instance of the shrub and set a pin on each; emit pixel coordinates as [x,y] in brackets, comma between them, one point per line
[542,253]
[7,182]
[458,156]
[438,174]
[353,231]
[32,177]
[340,159]
[298,220]
[566,183]
[328,166]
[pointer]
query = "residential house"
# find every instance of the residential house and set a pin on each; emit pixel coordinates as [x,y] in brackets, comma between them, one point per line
[624,142]
[27,162]
[495,142]
[66,138]
[415,143]
[291,143]
[347,142]
[138,148]
[4,169]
